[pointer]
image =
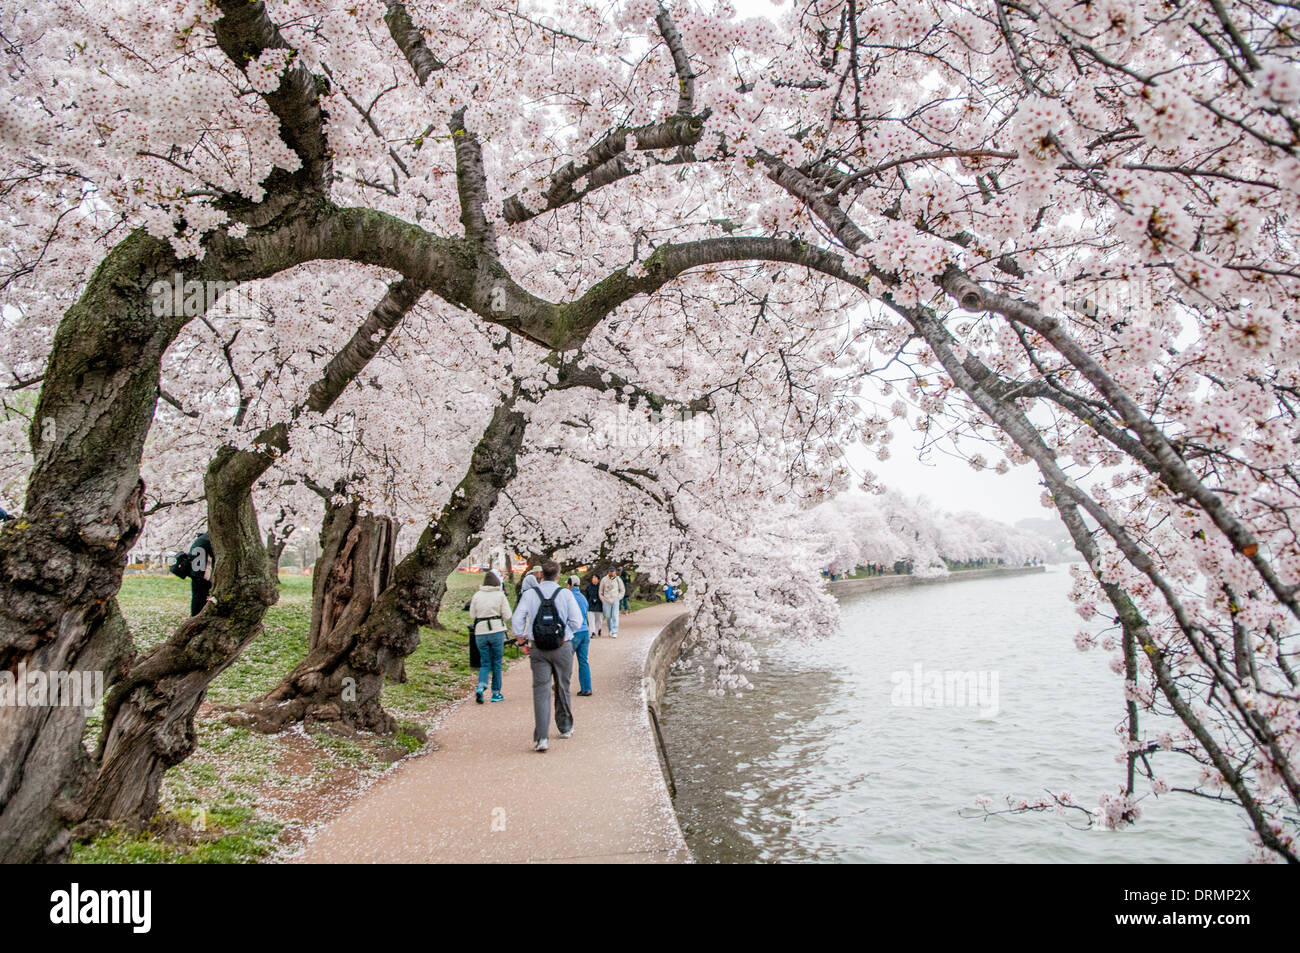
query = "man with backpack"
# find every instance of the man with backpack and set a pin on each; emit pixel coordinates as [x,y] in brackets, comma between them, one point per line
[546,619]
[195,564]
[201,563]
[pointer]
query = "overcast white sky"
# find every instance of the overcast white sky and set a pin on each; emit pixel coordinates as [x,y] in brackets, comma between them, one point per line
[950,483]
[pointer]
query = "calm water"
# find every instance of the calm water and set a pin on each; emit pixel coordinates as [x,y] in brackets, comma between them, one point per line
[819,764]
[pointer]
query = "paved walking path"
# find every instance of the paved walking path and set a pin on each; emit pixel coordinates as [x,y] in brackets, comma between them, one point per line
[484,795]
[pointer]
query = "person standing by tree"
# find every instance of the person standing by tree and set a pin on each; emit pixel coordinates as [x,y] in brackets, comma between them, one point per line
[595,613]
[627,587]
[489,609]
[547,617]
[202,560]
[581,638]
[611,593]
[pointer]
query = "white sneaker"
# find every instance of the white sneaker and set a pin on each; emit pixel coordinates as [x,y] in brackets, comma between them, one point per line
[540,745]
[567,734]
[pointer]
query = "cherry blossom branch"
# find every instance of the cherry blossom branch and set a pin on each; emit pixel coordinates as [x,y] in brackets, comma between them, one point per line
[1068,497]
[599,379]
[604,163]
[365,343]
[1238,41]
[1174,470]
[169,399]
[471,186]
[681,61]
[458,273]
[1022,432]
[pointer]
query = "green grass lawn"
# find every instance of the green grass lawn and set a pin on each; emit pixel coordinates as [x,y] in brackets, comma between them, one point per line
[243,796]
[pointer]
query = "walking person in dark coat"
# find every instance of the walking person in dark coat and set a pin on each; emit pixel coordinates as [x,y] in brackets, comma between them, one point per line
[595,614]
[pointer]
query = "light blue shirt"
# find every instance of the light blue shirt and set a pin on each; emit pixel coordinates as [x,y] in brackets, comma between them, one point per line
[530,602]
[582,605]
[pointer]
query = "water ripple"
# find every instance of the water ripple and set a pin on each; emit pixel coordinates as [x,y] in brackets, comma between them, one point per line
[817,764]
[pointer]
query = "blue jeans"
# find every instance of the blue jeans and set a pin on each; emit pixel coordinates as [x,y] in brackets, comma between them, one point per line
[491,648]
[582,642]
[611,616]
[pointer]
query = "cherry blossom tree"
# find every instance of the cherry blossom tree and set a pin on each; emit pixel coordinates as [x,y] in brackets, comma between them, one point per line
[1104,195]
[1073,224]
[891,527]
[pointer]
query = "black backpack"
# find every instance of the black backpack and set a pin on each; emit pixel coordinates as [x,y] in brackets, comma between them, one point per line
[548,627]
[179,565]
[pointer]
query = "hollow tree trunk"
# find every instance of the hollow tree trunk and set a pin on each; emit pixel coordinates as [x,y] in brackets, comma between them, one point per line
[342,678]
[355,565]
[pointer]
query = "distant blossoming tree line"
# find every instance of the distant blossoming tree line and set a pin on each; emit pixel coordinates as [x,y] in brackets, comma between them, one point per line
[616,279]
[893,528]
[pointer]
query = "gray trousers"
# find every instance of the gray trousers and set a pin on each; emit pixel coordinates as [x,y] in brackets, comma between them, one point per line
[551,668]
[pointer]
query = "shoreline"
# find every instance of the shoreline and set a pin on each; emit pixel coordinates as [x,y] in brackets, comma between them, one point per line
[874,583]
[666,648]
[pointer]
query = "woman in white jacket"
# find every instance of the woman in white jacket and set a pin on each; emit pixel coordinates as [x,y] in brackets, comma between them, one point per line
[490,611]
[612,592]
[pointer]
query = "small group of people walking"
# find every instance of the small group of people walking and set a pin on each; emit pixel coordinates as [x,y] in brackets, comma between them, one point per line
[551,623]
[606,596]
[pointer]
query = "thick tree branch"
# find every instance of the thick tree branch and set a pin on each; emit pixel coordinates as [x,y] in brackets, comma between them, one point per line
[605,162]
[681,61]
[595,378]
[364,344]
[471,186]
[410,40]
[244,33]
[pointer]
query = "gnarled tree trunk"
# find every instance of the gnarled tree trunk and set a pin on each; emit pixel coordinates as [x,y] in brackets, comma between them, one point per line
[356,565]
[61,563]
[149,717]
[342,677]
